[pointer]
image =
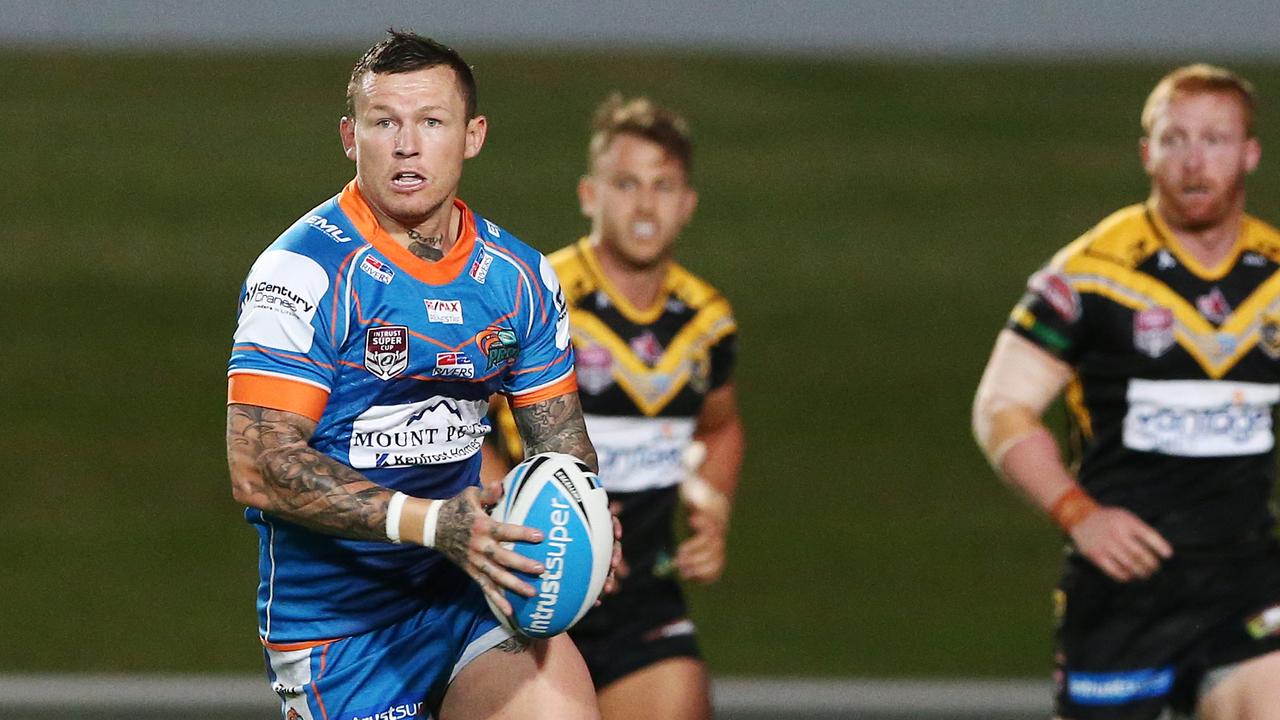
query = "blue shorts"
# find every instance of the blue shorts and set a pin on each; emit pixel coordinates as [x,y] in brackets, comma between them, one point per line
[399,671]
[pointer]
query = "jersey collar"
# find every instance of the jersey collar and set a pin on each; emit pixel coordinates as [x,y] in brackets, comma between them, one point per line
[441,272]
[639,316]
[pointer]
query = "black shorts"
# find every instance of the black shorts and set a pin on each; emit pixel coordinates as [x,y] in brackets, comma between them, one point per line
[647,620]
[1129,650]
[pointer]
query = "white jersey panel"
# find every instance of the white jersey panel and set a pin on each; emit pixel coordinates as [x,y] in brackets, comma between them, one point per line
[282,294]
[1200,418]
[435,431]
[639,453]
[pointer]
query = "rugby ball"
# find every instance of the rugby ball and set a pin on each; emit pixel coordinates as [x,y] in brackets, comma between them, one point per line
[559,495]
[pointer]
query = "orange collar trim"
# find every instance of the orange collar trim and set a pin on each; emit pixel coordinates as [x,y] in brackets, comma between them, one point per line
[442,272]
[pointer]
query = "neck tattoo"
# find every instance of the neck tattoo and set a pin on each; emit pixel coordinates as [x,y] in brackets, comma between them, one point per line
[427,248]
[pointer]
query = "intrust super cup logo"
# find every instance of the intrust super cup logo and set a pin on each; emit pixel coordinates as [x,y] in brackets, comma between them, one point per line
[386,351]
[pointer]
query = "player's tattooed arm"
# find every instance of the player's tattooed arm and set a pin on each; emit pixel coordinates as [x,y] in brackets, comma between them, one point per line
[274,469]
[556,425]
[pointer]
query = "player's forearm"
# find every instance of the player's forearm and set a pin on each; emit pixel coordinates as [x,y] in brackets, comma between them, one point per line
[726,446]
[556,425]
[275,470]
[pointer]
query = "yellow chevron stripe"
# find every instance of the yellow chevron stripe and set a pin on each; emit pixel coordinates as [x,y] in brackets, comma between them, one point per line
[1139,291]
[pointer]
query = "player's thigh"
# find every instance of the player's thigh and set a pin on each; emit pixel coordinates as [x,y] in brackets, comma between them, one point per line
[673,689]
[547,679]
[1250,691]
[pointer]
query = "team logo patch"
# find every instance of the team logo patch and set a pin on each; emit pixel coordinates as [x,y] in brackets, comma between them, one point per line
[447,312]
[1058,293]
[1265,623]
[1269,335]
[386,351]
[378,270]
[646,347]
[595,368]
[498,344]
[454,364]
[293,715]
[1213,306]
[1153,331]
[480,268]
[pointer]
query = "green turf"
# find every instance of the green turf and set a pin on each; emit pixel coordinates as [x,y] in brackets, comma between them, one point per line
[872,221]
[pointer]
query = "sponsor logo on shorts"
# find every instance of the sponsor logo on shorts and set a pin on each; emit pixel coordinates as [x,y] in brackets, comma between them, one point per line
[1054,289]
[446,312]
[1153,331]
[1200,418]
[378,270]
[498,344]
[1213,306]
[480,268]
[386,351]
[1264,624]
[454,364]
[322,224]
[1118,688]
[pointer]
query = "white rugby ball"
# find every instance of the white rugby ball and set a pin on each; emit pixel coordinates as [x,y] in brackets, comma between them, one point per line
[559,495]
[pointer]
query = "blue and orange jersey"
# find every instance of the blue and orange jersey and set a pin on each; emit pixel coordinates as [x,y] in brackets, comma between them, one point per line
[395,358]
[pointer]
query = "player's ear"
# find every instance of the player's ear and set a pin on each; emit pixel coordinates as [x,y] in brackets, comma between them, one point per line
[347,131]
[689,203]
[1252,154]
[587,196]
[1144,152]
[477,130]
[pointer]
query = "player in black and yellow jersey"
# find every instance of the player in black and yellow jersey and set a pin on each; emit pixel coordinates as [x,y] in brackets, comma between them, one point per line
[1162,324]
[654,348]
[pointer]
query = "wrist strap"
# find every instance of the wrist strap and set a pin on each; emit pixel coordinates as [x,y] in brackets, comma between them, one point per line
[393,516]
[1071,507]
[429,524]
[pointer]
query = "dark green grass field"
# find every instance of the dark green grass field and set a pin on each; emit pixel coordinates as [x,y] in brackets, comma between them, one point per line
[873,221]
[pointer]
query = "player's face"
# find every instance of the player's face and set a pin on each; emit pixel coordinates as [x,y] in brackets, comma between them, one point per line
[1197,154]
[408,139]
[638,199]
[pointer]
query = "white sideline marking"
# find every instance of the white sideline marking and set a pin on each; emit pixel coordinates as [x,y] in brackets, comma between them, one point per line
[922,697]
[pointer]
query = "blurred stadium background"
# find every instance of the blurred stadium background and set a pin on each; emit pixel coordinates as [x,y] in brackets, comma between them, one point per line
[877,180]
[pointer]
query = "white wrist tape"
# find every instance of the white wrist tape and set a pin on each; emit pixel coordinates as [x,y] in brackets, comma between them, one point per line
[429,524]
[393,516]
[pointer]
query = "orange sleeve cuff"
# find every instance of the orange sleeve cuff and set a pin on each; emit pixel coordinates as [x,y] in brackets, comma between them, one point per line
[278,394]
[563,386]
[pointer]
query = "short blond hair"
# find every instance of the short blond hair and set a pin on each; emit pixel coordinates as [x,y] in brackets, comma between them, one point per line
[1200,78]
[643,118]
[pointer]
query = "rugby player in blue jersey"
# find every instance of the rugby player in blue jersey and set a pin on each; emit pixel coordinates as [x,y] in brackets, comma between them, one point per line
[1162,326]
[655,350]
[370,335]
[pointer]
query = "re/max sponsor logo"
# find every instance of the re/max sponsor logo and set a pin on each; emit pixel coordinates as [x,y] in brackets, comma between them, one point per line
[266,292]
[557,541]
[394,712]
[322,224]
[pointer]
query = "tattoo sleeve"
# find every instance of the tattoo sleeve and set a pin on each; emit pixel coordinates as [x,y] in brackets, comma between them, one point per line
[274,469]
[556,425]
